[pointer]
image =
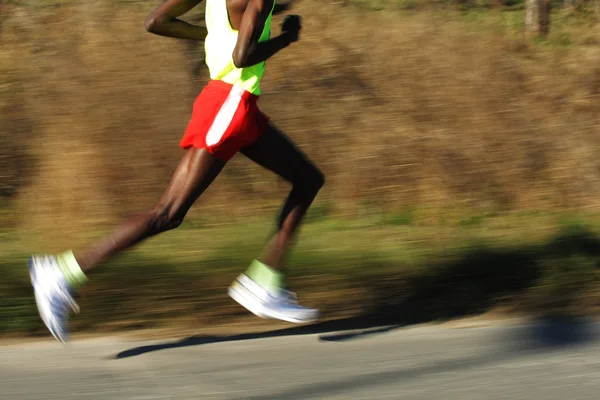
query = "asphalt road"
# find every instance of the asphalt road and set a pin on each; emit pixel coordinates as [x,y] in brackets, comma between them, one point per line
[536,361]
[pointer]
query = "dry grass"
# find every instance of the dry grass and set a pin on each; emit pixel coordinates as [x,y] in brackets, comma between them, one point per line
[423,111]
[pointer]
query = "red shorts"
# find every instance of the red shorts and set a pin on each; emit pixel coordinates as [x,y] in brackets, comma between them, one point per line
[225,119]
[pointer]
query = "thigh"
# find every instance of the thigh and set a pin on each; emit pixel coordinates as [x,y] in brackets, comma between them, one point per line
[276,152]
[196,171]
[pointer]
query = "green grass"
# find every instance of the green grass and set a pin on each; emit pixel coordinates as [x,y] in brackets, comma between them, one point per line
[398,218]
[406,269]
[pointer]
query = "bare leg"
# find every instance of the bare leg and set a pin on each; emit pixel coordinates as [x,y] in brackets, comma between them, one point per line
[195,172]
[276,152]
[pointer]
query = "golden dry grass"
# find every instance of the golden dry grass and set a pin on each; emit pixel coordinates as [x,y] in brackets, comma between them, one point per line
[427,110]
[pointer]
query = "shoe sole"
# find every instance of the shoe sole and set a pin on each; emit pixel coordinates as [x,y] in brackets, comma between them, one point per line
[258,308]
[42,314]
[247,302]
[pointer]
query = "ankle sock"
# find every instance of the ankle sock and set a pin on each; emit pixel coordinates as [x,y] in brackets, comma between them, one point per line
[71,269]
[265,276]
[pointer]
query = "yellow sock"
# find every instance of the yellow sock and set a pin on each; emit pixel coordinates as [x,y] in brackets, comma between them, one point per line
[71,269]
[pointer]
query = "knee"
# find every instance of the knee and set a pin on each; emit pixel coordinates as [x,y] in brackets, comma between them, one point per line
[164,218]
[319,179]
[314,181]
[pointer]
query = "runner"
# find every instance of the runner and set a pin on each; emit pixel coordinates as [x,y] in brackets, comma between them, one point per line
[225,120]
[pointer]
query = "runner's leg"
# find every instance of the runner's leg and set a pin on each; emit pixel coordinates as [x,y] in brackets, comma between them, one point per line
[195,172]
[260,289]
[55,277]
[277,153]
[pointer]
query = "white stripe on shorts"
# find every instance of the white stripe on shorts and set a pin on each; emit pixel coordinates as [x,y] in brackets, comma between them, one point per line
[225,116]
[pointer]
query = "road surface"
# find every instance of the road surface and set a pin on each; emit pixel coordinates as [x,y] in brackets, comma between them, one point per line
[536,361]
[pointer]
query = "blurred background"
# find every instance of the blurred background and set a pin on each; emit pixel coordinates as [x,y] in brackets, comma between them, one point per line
[460,140]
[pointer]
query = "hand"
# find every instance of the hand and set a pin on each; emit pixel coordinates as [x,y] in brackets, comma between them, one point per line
[291,27]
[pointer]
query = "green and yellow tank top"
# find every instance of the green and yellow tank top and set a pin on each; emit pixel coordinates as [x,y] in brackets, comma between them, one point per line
[219,46]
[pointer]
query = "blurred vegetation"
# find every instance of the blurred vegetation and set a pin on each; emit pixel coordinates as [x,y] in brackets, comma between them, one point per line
[408,271]
[429,118]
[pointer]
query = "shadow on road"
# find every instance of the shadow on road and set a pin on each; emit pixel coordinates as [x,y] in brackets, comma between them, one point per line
[318,328]
[539,334]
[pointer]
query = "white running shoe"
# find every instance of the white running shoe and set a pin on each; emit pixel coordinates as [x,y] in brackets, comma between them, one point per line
[53,295]
[282,305]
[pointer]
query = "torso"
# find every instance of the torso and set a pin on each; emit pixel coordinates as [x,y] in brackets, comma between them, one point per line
[223,20]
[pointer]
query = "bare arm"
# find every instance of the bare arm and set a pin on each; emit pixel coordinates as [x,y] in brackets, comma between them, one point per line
[248,51]
[163,21]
